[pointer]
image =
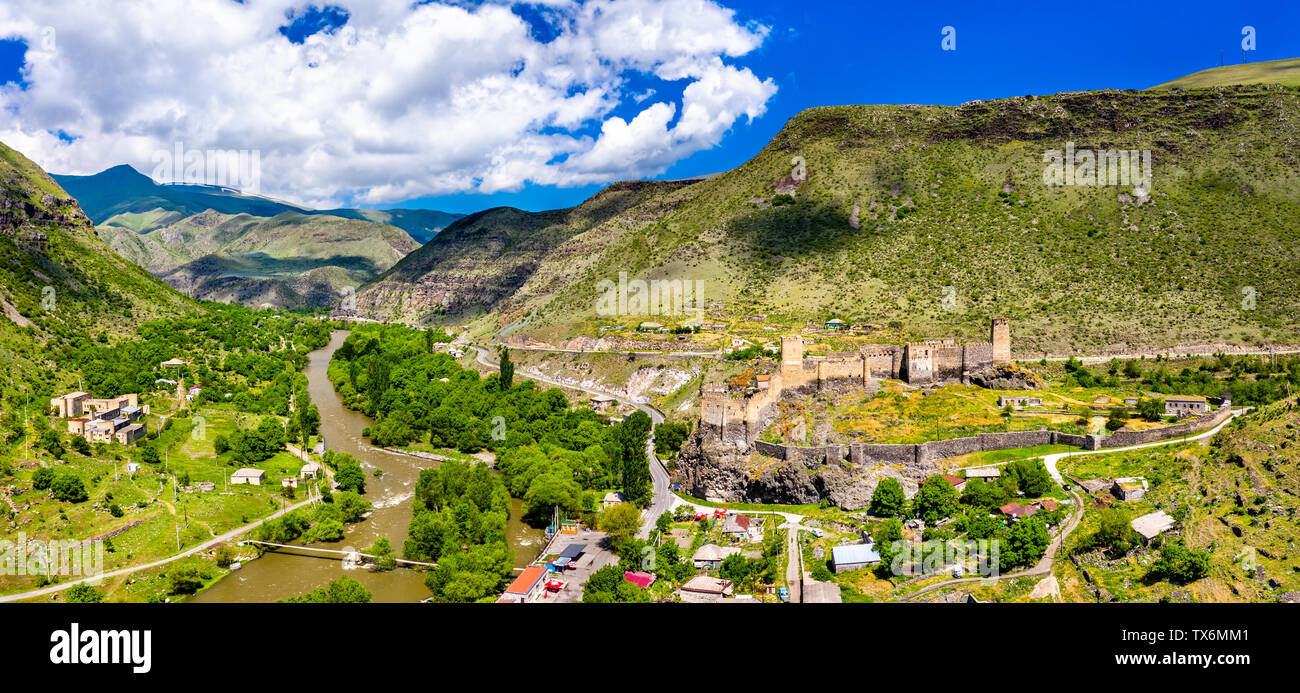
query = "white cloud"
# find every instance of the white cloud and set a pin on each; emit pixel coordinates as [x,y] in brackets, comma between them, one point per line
[399,103]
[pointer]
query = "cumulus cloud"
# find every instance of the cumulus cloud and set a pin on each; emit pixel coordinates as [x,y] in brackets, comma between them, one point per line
[401,101]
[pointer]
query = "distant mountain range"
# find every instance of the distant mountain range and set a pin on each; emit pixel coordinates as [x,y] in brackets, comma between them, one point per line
[219,244]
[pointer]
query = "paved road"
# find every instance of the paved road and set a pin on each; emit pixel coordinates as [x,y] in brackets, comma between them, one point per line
[663,499]
[145,566]
[1050,461]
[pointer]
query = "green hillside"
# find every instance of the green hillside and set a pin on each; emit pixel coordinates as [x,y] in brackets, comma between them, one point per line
[1284,72]
[947,197]
[62,285]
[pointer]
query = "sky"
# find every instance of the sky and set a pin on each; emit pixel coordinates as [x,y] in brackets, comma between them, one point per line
[465,105]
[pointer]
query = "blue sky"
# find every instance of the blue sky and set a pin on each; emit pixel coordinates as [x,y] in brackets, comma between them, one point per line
[842,52]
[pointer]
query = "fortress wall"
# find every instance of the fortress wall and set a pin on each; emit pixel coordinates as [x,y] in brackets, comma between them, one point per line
[766,448]
[840,368]
[939,449]
[1015,439]
[1071,439]
[979,355]
[1201,423]
[947,361]
[880,361]
[866,453]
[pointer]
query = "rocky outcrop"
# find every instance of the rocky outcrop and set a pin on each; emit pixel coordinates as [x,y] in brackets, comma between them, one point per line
[734,470]
[1006,377]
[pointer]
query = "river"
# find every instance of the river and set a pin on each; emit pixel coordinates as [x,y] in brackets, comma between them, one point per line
[285,573]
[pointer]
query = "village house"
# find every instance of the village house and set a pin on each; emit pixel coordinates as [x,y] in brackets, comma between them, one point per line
[706,585]
[650,327]
[743,529]
[710,556]
[611,499]
[1183,406]
[835,324]
[310,470]
[1152,525]
[248,475]
[853,556]
[1016,511]
[526,587]
[1019,401]
[1129,488]
[957,482]
[602,402]
[985,473]
[289,482]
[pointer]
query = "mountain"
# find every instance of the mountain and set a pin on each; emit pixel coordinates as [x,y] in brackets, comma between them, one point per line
[1284,72]
[61,284]
[253,249]
[928,219]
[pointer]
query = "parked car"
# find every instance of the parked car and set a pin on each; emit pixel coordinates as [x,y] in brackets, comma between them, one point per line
[784,594]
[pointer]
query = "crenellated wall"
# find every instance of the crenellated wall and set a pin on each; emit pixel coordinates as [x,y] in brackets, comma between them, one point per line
[923,453]
[934,360]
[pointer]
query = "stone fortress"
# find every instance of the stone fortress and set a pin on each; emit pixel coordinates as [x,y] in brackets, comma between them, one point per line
[918,363]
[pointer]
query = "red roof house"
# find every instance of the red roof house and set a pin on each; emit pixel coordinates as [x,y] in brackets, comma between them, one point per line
[639,578]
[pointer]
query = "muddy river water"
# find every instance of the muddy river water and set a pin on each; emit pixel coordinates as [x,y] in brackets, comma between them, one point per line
[286,573]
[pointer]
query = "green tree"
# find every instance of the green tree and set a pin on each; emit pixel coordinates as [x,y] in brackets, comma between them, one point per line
[350,476]
[69,488]
[1181,565]
[507,369]
[888,499]
[42,478]
[620,522]
[935,500]
[1151,409]
[888,538]
[1025,542]
[664,522]
[1031,477]
[81,593]
[385,557]
[344,590]
[631,437]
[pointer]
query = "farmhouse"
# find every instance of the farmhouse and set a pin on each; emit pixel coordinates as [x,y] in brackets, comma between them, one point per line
[612,498]
[601,402]
[984,473]
[1183,406]
[1129,488]
[248,475]
[309,470]
[853,556]
[957,482]
[711,555]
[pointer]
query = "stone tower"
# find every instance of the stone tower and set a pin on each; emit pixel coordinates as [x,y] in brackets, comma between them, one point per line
[1001,338]
[792,353]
